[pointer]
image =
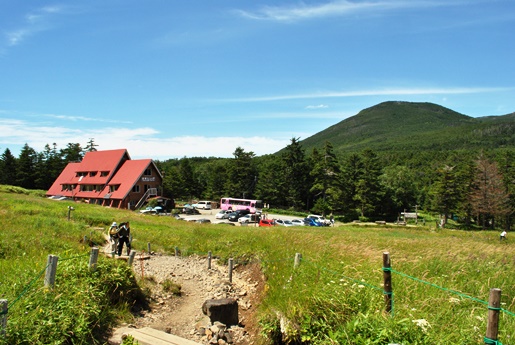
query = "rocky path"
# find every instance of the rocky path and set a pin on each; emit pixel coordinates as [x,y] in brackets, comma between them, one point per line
[181,313]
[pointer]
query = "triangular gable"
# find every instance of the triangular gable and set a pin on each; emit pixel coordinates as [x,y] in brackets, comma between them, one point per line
[128,175]
[67,176]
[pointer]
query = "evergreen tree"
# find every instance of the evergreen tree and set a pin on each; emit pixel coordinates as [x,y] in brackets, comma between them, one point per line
[445,192]
[271,185]
[400,194]
[242,174]
[368,188]
[351,172]
[325,173]
[27,173]
[91,146]
[72,153]
[507,169]
[296,174]
[8,168]
[49,166]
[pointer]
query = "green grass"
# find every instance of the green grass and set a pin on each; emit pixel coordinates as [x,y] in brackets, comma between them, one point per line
[334,296]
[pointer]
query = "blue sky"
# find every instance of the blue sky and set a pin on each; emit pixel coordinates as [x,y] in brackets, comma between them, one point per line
[172,78]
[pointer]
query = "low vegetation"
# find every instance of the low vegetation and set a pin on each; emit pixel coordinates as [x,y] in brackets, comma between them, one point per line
[441,277]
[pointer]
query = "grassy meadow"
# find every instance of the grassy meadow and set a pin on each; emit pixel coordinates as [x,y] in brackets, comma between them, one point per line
[441,278]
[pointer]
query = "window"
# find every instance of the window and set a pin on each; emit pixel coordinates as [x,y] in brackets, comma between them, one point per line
[136,189]
[113,188]
[104,173]
[81,174]
[92,173]
[148,172]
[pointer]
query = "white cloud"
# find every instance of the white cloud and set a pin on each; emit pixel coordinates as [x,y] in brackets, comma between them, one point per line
[334,8]
[34,22]
[372,92]
[140,142]
[320,106]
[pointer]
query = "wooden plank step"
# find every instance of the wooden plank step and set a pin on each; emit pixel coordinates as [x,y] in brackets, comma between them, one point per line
[150,336]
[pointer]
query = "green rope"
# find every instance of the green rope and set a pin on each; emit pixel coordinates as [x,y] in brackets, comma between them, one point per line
[491,341]
[441,288]
[494,308]
[28,286]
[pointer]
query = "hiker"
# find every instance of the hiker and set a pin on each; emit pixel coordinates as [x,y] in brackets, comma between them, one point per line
[123,237]
[113,236]
[503,235]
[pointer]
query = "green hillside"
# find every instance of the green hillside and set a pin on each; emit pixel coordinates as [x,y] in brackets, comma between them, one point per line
[406,126]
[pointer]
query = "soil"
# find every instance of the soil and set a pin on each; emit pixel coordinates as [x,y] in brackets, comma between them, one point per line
[180,312]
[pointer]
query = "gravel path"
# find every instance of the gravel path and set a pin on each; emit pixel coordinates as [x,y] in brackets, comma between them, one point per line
[181,314]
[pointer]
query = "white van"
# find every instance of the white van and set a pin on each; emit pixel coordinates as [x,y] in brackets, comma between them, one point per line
[204,205]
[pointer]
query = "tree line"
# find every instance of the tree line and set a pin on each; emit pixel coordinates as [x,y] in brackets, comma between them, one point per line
[474,188]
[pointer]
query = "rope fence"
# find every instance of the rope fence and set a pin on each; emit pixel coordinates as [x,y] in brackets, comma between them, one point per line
[493,304]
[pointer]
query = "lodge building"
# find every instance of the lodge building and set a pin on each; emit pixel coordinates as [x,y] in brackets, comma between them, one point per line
[109,178]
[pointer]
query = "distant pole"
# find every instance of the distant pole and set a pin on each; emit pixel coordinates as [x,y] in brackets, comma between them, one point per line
[93,258]
[51,270]
[148,248]
[209,257]
[132,254]
[230,269]
[296,262]
[494,307]
[387,282]
[3,316]
[176,251]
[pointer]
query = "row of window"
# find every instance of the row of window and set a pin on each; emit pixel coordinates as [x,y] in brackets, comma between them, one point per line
[95,188]
[148,172]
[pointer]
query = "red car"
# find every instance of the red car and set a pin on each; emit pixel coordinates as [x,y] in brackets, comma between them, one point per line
[266,222]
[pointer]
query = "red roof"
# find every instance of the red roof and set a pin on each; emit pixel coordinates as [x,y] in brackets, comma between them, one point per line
[101,169]
[129,173]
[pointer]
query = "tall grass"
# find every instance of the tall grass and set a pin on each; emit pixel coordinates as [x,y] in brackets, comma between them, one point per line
[334,296]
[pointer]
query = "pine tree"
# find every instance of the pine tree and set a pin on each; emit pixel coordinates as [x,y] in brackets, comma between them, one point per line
[8,168]
[242,174]
[27,173]
[296,174]
[325,173]
[368,187]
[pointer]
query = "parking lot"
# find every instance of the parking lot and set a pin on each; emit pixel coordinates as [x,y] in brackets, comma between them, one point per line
[210,214]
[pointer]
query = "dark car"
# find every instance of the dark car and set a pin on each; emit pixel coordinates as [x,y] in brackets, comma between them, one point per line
[234,216]
[190,210]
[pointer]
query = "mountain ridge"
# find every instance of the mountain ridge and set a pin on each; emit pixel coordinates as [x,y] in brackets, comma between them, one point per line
[406,126]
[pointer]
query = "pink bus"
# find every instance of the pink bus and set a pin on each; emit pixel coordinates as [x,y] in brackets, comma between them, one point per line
[241,204]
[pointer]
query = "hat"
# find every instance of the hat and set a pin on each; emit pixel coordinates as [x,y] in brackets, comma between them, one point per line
[114,224]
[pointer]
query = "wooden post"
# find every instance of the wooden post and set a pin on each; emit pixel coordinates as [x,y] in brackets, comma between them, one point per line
[51,270]
[209,257]
[387,284]
[296,262]
[3,316]
[494,307]
[93,258]
[176,251]
[132,254]
[148,248]
[230,269]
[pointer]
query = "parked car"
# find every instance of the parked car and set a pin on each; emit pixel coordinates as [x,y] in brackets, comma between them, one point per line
[203,204]
[266,222]
[152,210]
[203,221]
[249,218]
[298,222]
[234,216]
[312,222]
[320,219]
[190,210]
[283,222]
[223,214]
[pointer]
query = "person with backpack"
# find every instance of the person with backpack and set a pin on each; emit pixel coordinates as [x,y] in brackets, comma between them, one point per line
[113,236]
[124,234]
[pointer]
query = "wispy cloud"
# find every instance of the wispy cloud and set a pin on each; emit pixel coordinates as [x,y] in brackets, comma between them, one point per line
[334,8]
[144,142]
[320,106]
[33,23]
[83,118]
[378,92]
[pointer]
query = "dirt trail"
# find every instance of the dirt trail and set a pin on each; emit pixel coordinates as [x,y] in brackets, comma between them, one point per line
[182,314]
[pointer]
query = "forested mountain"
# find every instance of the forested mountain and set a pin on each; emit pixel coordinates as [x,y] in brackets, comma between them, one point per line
[406,126]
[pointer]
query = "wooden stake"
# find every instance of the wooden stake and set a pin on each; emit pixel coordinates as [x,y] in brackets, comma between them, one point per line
[494,304]
[93,258]
[51,271]
[387,284]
